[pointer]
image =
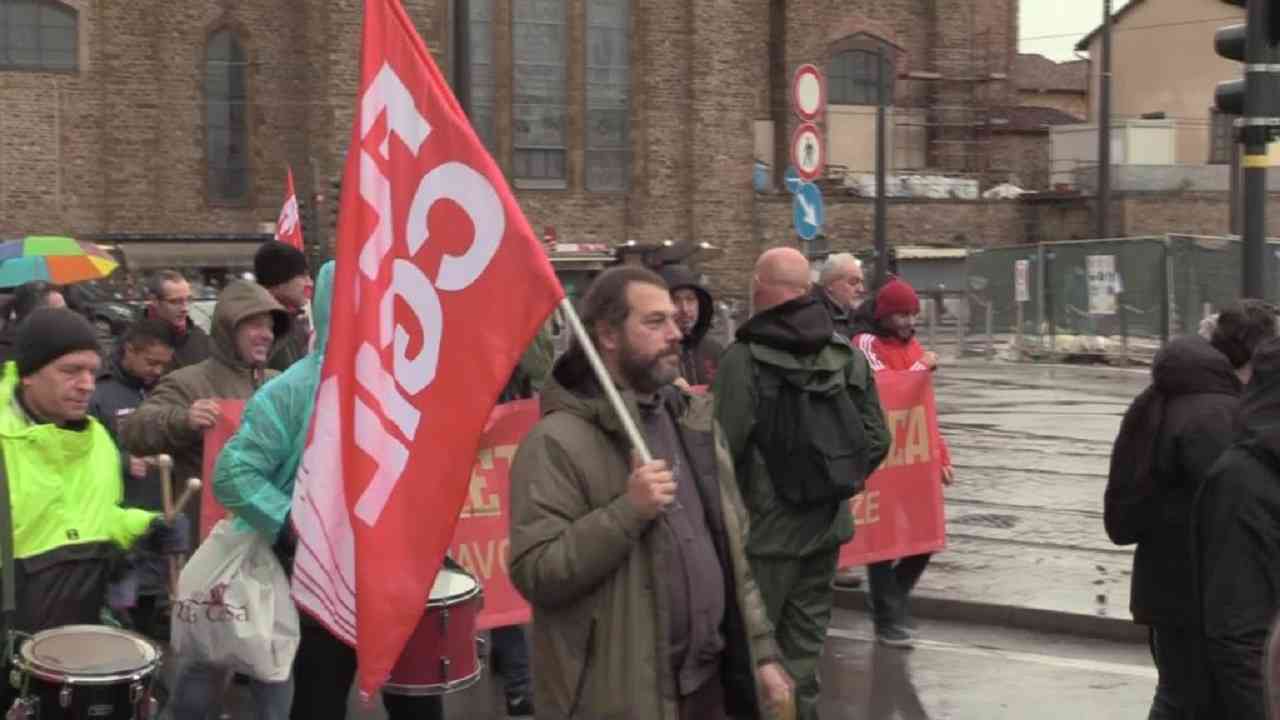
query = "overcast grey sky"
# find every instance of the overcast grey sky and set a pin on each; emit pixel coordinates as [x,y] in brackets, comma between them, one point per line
[1052,27]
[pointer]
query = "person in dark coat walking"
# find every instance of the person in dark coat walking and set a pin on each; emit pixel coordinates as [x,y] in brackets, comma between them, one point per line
[140,359]
[169,299]
[699,353]
[1171,436]
[1235,531]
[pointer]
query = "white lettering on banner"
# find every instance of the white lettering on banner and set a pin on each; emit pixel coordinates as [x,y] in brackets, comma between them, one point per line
[375,188]
[288,217]
[387,93]
[475,194]
[407,281]
[372,375]
[410,376]
[390,455]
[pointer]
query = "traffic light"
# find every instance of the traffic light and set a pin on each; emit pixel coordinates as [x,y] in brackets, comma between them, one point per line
[1253,43]
[1229,42]
[1257,100]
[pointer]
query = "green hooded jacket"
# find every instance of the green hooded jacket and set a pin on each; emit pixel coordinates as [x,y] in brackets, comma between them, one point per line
[256,469]
[799,337]
[592,568]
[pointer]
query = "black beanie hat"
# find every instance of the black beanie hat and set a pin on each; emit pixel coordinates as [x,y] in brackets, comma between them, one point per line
[277,263]
[49,333]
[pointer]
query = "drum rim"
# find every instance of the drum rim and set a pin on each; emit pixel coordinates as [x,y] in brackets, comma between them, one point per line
[458,599]
[444,688]
[33,667]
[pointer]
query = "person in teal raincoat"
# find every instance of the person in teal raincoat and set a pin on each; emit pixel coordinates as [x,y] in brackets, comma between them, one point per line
[254,482]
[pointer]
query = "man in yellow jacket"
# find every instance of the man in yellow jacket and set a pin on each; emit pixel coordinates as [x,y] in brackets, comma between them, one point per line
[63,477]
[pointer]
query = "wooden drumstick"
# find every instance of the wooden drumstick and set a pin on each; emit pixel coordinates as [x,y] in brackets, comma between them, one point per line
[165,463]
[193,487]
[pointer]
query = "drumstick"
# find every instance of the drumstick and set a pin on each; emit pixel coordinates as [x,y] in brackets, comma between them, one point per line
[165,463]
[193,487]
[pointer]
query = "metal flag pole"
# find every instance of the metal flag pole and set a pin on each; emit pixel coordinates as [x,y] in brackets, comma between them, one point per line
[606,382]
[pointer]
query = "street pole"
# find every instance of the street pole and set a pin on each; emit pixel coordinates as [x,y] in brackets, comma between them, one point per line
[1104,126]
[462,54]
[882,201]
[1256,131]
[1234,181]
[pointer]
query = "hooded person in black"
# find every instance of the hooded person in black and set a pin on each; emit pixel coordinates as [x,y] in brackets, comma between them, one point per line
[1235,533]
[699,354]
[1169,439]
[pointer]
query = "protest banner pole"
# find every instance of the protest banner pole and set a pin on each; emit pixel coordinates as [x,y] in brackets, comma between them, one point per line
[606,382]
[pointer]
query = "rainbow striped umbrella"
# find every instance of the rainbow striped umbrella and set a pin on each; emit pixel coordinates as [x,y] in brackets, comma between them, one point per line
[57,260]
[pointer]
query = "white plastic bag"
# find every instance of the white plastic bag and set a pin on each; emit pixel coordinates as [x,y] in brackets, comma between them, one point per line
[233,607]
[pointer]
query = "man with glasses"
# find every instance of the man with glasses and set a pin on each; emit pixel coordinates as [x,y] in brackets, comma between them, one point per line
[169,299]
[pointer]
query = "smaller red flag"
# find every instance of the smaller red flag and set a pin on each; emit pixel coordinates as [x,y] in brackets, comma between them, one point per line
[288,229]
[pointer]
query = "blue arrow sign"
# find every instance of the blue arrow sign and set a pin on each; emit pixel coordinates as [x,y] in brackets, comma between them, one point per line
[791,178]
[808,211]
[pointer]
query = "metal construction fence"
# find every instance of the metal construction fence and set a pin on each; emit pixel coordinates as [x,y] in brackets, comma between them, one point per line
[1105,298]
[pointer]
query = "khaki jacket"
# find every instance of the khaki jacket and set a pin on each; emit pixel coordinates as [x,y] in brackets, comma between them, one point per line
[590,565]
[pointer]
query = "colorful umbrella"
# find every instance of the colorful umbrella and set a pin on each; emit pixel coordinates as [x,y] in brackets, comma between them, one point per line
[57,260]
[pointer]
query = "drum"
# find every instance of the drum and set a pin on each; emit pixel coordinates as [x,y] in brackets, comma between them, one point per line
[83,672]
[441,655]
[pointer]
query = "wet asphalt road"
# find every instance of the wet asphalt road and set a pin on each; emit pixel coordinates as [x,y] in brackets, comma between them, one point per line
[959,672]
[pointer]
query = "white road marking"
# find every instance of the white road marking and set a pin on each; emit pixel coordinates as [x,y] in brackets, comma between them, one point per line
[1137,671]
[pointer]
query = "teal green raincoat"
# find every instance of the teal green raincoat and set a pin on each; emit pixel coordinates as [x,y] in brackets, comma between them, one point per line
[256,469]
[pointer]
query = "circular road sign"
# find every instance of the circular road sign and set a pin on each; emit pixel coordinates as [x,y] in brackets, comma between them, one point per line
[808,92]
[808,155]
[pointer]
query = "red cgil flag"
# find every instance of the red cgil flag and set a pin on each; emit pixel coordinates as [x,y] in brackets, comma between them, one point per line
[440,285]
[288,227]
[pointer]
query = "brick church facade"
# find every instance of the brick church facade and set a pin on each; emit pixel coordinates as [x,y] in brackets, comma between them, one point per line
[616,120]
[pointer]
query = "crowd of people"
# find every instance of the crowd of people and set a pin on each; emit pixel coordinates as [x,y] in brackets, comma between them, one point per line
[698,584]
[621,560]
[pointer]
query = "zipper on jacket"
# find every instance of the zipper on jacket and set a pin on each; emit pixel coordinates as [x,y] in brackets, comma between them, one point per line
[586,668]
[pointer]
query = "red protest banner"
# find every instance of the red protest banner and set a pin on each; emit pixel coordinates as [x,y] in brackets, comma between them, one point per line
[900,512]
[211,511]
[480,541]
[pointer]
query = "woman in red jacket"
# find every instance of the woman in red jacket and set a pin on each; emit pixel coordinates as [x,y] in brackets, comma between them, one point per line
[892,345]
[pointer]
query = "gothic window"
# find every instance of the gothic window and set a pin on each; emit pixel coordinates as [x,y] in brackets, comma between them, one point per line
[540,102]
[37,35]
[608,141]
[852,78]
[483,75]
[226,117]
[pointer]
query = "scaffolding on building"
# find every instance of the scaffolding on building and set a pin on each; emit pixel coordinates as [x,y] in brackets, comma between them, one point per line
[958,106]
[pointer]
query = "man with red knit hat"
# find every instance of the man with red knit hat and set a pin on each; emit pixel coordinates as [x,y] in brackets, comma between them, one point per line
[892,345]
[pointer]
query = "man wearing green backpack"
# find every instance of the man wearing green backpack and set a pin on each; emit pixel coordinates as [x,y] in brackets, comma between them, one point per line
[800,412]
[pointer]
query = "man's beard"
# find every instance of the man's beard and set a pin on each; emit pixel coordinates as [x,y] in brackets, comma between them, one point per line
[646,375]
